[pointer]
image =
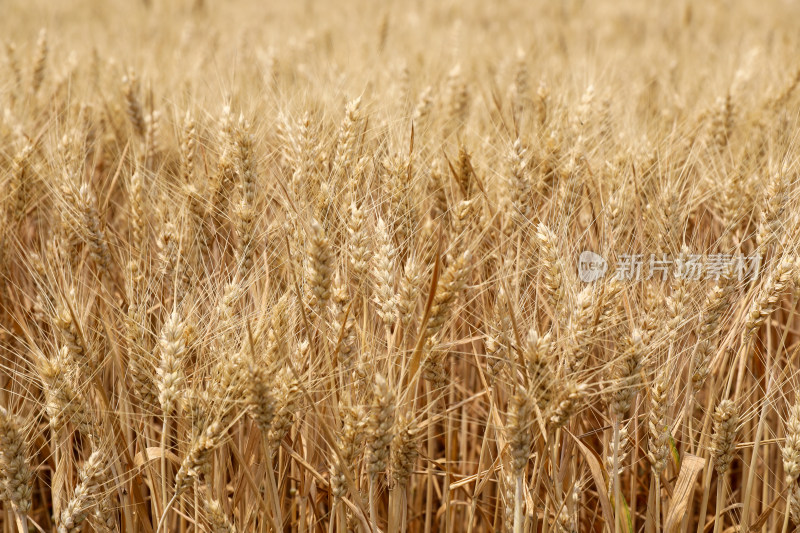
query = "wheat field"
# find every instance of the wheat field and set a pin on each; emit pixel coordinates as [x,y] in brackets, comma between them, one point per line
[385,267]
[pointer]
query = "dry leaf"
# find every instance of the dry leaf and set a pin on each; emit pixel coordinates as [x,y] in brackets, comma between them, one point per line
[684,487]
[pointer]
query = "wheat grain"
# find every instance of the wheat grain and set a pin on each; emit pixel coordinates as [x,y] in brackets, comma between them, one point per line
[791,446]
[15,469]
[726,420]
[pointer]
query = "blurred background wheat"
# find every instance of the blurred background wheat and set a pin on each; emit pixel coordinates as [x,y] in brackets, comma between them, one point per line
[314,266]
